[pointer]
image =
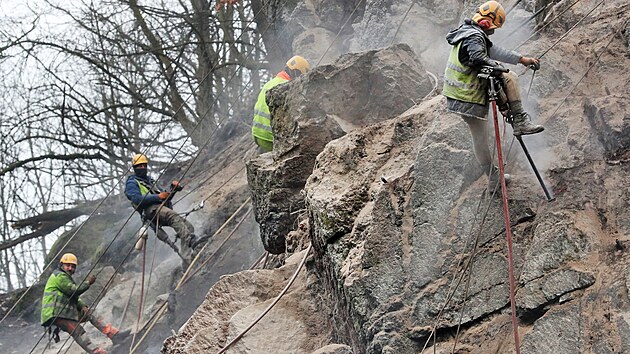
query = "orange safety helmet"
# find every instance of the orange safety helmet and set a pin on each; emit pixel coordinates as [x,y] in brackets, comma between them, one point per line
[491,11]
[69,258]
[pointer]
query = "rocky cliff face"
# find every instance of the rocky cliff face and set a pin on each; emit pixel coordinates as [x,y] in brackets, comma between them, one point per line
[406,239]
[369,87]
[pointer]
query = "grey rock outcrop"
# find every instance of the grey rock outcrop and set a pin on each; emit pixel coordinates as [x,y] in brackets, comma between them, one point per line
[298,315]
[406,240]
[369,87]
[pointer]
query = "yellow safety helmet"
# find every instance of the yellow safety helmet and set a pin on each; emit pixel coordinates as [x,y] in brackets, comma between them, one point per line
[492,11]
[69,258]
[298,63]
[139,159]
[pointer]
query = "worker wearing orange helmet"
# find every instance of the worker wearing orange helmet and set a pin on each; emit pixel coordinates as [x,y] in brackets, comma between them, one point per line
[466,94]
[261,127]
[62,307]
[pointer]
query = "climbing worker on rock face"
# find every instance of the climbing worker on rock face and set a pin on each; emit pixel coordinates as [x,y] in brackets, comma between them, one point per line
[147,198]
[62,307]
[466,94]
[261,127]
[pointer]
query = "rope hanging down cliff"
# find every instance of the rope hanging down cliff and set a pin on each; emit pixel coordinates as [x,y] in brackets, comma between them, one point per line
[169,163]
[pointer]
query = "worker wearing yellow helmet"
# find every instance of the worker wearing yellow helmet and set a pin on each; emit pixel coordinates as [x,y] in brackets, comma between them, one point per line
[466,94]
[62,307]
[261,127]
[155,206]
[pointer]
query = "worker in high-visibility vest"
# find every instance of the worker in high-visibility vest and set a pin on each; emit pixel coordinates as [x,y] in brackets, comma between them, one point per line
[466,94]
[62,307]
[261,127]
[154,205]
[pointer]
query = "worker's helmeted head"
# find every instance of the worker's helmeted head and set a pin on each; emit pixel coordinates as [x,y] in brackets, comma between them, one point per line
[490,16]
[68,262]
[139,163]
[297,66]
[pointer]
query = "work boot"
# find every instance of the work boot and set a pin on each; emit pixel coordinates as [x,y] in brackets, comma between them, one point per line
[120,336]
[522,125]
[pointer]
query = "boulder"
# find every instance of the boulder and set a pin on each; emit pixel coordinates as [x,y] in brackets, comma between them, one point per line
[307,115]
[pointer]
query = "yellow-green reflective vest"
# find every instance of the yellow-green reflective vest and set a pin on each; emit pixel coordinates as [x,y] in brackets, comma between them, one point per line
[57,301]
[461,82]
[144,189]
[261,127]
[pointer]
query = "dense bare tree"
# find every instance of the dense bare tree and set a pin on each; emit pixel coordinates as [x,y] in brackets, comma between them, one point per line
[88,84]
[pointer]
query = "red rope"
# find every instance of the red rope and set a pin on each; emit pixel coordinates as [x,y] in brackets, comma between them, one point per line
[508,228]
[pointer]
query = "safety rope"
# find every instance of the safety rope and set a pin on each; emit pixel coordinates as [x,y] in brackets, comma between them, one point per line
[454,286]
[124,313]
[160,311]
[508,227]
[528,20]
[339,32]
[402,21]
[168,164]
[210,257]
[507,13]
[275,301]
[114,187]
[144,257]
[262,256]
[589,68]
[571,29]
[546,24]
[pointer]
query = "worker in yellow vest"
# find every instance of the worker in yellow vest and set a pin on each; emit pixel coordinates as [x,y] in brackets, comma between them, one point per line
[466,94]
[155,206]
[62,307]
[261,127]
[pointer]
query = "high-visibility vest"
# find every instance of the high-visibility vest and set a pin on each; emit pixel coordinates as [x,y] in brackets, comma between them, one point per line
[145,188]
[461,82]
[261,127]
[55,302]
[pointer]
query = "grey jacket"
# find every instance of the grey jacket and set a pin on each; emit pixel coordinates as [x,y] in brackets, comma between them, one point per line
[476,50]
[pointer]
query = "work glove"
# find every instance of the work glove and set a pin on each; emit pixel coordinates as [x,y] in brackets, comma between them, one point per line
[91,279]
[176,186]
[163,195]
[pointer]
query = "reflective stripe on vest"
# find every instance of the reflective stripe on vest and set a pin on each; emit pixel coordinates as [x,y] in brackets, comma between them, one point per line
[261,126]
[461,82]
[54,302]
